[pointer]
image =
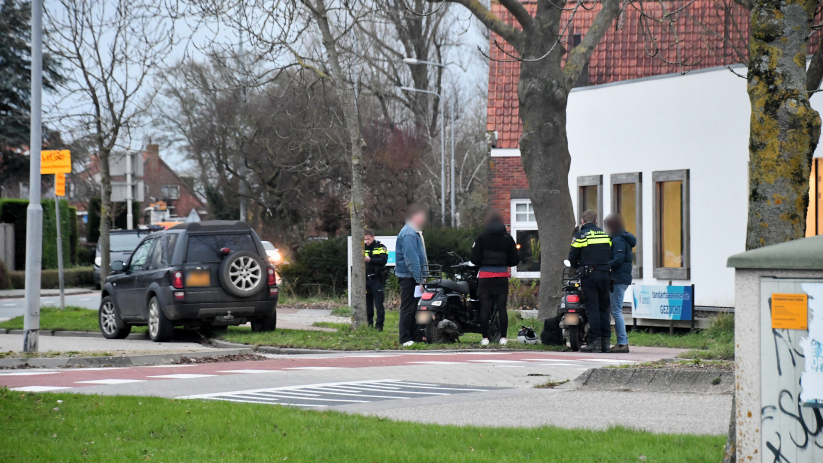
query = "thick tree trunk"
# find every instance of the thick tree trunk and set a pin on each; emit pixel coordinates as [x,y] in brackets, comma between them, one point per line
[346,96]
[105,212]
[784,127]
[545,156]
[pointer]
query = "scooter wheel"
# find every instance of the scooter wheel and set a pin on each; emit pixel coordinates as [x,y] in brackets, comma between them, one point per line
[575,337]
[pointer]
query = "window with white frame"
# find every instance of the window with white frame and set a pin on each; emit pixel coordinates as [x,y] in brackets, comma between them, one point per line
[524,232]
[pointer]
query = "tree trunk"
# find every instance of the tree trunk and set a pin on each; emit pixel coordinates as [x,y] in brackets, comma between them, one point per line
[105,212]
[348,102]
[784,127]
[545,156]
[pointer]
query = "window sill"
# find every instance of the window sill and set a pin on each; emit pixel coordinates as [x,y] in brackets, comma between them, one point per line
[666,273]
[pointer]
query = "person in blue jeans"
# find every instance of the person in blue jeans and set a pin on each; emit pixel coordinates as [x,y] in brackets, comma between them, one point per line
[410,260]
[621,272]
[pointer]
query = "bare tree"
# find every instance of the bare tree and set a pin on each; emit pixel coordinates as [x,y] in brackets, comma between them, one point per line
[109,49]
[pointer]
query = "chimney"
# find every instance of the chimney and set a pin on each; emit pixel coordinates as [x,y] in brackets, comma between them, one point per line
[152,151]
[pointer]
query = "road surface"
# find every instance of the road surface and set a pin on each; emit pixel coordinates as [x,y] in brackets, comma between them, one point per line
[478,388]
[10,308]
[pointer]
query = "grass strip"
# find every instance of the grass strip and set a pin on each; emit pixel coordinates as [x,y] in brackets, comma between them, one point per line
[123,428]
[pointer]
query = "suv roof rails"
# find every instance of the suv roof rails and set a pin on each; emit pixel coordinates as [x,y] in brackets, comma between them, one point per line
[213,225]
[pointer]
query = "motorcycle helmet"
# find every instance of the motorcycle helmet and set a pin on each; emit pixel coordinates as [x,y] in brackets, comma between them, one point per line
[527,335]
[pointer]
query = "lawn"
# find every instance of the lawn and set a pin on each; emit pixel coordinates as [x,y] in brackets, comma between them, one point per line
[104,428]
[716,342]
[365,338]
[713,343]
[72,318]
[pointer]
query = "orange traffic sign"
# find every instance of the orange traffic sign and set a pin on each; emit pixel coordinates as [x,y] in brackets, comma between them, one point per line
[60,184]
[55,162]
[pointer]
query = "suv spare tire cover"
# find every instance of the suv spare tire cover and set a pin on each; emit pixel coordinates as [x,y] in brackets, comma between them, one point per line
[242,274]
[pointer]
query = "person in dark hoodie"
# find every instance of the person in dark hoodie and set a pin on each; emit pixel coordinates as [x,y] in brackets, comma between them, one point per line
[494,251]
[621,265]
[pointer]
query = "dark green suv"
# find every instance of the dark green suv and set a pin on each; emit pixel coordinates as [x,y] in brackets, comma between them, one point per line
[201,274]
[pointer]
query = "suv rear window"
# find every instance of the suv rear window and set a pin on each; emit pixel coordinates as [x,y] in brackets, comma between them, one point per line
[206,248]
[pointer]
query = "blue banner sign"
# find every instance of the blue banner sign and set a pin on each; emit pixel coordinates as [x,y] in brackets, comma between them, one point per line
[663,302]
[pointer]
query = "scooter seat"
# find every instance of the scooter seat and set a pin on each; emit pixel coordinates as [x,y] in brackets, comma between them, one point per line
[457,286]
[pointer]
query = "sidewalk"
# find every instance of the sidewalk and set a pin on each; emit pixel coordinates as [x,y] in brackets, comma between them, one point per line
[20,293]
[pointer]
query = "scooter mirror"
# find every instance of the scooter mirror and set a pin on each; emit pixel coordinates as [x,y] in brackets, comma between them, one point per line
[567,263]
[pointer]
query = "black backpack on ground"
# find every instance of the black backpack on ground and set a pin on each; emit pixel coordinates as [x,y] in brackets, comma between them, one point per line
[552,335]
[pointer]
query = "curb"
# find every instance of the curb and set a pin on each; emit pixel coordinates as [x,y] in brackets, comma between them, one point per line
[302,351]
[57,293]
[116,361]
[655,380]
[75,334]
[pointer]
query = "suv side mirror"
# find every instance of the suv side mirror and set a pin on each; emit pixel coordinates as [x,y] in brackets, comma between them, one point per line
[567,263]
[118,266]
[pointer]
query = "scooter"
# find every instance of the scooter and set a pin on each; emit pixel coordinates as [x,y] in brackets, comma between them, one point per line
[450,308]
[572,309]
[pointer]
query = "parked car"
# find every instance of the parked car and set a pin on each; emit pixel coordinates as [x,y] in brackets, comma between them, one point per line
[123,243]
[272,252]
[200,274]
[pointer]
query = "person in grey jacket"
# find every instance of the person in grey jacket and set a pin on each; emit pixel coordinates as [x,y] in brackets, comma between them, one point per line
[621,273]
[410,258]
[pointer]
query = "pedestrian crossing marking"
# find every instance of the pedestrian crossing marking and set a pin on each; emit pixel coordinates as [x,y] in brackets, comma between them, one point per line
[340,393]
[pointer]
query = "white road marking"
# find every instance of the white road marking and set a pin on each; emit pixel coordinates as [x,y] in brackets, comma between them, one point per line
[313,368]
[249,371]
[9,305]
[27,373]
[111,381]
[434,362]
[331,394]
[98,369]
[86,299]
[170,366]
[496,361]
[181,376]
[38,388]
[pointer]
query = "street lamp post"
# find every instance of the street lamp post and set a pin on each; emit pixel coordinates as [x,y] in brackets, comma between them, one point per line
[442,155]
[34,212]
[443,135]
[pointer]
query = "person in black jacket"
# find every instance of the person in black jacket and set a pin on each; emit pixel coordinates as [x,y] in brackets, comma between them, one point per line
[621,265]
[376,258]
[494,251]
[591,252]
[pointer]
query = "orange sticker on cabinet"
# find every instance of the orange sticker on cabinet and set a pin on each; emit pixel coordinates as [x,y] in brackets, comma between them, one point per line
[790,311]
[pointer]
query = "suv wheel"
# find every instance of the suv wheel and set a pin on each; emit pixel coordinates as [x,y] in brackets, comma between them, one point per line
[265,324]
[111,325]
[242,274]
[160,327]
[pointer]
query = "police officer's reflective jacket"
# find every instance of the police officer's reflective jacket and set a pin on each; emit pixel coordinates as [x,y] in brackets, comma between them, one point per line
[379,255]
[591,247]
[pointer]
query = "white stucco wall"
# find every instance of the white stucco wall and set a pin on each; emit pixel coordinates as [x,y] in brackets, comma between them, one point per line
[698,121]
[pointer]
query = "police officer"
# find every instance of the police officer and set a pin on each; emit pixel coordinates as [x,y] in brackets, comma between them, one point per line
[376,257]
[590,254]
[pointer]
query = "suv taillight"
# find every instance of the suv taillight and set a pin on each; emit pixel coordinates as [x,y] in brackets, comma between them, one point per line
[177,280]
[271,277]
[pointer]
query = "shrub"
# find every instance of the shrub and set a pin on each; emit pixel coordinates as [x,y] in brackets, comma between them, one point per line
[522,294]
[4,276]
[317,268]
[85,255]
[74,242]
[77,277]
[14,211]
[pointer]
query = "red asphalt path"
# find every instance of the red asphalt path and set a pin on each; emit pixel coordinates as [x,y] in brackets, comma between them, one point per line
[81,377]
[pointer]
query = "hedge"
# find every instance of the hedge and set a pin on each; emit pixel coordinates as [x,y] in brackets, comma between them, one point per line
[319,267]
[78,277]
[14,211]
[93,228]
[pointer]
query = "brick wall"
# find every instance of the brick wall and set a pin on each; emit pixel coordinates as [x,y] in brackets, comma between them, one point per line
[158,173]
[506,175]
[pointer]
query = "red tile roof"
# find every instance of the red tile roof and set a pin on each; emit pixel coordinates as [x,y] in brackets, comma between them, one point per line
[710,33]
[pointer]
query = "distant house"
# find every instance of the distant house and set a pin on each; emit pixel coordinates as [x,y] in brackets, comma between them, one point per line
[164,189]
